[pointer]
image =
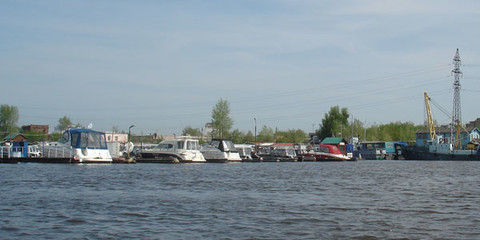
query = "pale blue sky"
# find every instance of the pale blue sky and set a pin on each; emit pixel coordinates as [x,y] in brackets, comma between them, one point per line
[162,65]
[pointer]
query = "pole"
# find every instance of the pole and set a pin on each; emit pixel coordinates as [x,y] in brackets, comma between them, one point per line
[255,119]
[128,143]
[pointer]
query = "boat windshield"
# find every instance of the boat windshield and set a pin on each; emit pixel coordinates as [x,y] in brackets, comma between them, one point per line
[64,139]
[165,146]
[228,146]
[324,149]
[193,145]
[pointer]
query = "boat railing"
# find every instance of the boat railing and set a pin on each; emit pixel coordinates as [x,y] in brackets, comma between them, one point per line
[42,151]
[57,151]
[5,151]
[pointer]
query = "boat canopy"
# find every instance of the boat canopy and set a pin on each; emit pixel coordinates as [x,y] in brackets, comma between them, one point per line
[84,138]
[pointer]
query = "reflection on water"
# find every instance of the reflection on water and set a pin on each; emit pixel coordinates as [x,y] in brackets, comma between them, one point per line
[342,200]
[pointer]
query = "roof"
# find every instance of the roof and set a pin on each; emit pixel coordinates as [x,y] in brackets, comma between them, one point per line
[80,130]
[332,140]
[12,136]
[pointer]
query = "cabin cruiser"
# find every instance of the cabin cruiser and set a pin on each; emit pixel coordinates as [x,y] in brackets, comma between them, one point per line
[278,154]
[326,153]
[80,146]
[220,150]
[172,151]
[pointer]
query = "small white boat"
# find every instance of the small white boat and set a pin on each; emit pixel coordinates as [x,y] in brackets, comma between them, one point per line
[220,150]
[172,151]
[81,146]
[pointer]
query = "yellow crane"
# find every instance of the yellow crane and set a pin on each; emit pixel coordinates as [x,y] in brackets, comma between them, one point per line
[431,127]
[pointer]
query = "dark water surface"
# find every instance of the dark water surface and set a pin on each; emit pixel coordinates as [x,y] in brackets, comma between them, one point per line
[341,200]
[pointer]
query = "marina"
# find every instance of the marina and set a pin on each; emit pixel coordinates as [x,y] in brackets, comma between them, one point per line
[240,120]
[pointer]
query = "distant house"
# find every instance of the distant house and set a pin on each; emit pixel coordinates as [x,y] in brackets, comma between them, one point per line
[36,128]
[446,133]
[116,137]
[208,130]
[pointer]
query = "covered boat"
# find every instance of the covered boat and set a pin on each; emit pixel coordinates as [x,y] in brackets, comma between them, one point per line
[79,146]
[183,150]
[220,150]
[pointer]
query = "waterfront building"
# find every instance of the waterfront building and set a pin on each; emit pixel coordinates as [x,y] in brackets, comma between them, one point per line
[446,133]
[36,128]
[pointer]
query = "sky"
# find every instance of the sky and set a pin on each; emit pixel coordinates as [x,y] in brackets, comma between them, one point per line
[163,65]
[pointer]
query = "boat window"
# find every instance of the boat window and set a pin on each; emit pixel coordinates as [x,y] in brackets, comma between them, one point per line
[89,140]
[64,138]
[324,149]
[93,141]
[191,145]
[75,139]
[228,146]
[180,145]
[83,140]
[215,143]
[165,145]
[103,141]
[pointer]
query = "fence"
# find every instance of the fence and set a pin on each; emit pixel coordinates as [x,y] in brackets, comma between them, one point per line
[37,152]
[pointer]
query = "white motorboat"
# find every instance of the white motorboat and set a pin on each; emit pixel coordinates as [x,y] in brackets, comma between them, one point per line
[81,146]
[172,151]
[220,150]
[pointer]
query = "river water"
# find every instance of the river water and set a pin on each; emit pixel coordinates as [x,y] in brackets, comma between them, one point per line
[303,200]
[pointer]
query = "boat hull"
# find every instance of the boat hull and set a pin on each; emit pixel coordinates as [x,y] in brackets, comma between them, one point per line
[418,153]
[157,157]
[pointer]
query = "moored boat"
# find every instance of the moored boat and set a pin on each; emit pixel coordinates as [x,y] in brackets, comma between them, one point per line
[77,145]
[220,150]
[181,150]
[329,153]
[440,147]
[439,152]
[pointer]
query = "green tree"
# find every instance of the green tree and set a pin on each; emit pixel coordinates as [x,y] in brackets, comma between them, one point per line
[249,137]
[8,119]
[394,131]
[266,135]
[64,123]
[237,136]
[334,122]
[291,136]
[190,131]
[54,136]
[221,121]
[355,129]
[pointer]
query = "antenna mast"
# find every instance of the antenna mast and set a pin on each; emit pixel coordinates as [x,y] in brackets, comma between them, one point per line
[457,110]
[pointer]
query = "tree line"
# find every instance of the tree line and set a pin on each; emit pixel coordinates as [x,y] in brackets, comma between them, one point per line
[335,123]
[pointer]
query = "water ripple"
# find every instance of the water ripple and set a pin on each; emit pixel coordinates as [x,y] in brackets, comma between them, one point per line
[358,200]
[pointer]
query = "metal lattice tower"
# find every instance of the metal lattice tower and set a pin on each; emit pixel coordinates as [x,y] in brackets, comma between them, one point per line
[457,110]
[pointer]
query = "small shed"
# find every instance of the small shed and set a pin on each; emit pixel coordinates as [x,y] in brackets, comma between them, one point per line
[19,144]
[15,137]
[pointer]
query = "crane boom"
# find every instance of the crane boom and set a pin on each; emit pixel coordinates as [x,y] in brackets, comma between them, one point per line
[431,127]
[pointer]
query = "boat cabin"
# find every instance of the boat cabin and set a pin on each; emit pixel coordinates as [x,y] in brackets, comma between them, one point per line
[339,142]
